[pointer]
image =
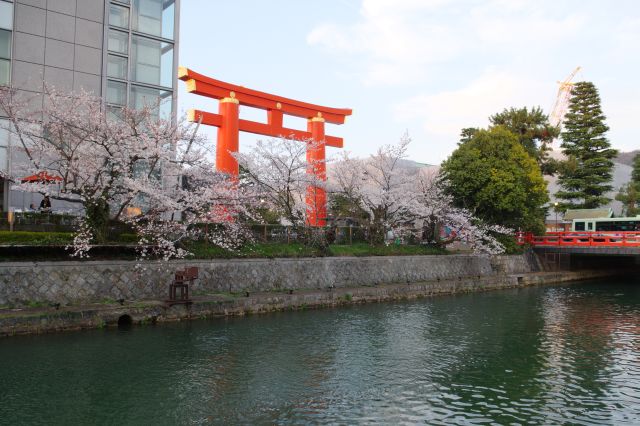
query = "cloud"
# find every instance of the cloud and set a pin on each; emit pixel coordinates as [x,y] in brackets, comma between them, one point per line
[395,38]
[399,41]
[445,113]
[447,64]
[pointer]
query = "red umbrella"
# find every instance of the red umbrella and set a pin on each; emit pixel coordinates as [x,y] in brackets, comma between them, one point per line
[42,177]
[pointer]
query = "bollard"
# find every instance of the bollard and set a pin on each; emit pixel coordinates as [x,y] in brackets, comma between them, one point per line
[10,218]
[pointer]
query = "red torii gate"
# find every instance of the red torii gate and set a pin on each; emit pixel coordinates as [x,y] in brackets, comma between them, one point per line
[229,125]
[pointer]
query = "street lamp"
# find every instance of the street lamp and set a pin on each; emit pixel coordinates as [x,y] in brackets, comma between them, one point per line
[555,207]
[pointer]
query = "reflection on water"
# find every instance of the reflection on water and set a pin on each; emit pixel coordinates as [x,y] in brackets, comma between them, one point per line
[539,355]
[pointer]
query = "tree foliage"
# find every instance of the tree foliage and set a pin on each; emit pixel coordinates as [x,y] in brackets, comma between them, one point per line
[494,177]
[379,185]
[408,201]
[635,173]
[534,132]
[150,173]
[629,194]
[586,174]
[278,170]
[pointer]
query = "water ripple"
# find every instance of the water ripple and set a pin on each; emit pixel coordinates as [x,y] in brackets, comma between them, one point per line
[552,355]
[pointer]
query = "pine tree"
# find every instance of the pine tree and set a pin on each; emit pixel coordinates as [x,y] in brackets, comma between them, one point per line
[586,175]
[629,194]
[635,173]
[534,132]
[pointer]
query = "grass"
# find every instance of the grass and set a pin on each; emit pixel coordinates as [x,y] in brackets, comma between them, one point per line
[35,238]
[202,250]
[43,241]
[364,249]
[50,238]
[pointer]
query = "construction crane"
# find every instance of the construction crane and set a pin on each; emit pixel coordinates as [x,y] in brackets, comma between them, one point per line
[562,100]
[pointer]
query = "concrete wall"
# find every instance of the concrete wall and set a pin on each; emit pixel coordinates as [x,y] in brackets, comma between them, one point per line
[73,282]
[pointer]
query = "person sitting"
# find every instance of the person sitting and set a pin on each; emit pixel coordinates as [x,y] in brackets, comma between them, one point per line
[45,204]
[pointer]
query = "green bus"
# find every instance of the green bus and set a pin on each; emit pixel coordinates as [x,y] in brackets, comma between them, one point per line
[621,224]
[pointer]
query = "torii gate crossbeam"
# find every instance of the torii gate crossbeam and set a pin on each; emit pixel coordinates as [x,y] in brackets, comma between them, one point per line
[229,125]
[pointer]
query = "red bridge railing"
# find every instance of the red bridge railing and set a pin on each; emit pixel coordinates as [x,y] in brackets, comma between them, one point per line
[581,239]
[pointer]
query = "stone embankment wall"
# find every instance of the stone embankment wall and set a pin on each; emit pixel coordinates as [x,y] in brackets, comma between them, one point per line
[48,319]
[85,282]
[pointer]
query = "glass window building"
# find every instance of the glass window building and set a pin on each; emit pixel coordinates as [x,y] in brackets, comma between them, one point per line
[141,54]
[125,51]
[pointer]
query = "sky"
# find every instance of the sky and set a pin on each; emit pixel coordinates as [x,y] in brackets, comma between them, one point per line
[426,67]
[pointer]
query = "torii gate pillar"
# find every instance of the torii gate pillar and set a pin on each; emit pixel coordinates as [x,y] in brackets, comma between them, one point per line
[229,125]
[316,197]
[228,136]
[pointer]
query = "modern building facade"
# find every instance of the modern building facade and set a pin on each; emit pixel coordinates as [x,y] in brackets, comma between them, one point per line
[125,51]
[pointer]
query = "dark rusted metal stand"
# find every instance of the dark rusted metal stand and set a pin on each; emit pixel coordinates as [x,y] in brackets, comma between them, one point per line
[179,288]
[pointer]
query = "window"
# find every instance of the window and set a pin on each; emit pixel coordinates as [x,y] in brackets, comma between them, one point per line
[605,226]
[114,112]
[4,160]
[579,226]
[117,67]
[118,16]
[146,96]
[118,42]
[590,226]
[154,17]
[6,15]
[5,72]
[116,92]
[5,44]
[4,144]
[5,57]
[151,61]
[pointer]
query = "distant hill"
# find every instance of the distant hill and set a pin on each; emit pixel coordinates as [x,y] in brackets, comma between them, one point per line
[627,157]
[410,164]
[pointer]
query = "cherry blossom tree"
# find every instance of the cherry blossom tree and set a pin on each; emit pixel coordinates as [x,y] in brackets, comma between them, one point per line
[284,179]
[435,208]
[381,185]
[279,171]
[125,165]
[406,199]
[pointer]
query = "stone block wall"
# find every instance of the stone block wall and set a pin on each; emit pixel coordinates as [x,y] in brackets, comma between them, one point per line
[95,281]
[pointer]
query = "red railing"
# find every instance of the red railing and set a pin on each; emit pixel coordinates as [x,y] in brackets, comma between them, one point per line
[581,239]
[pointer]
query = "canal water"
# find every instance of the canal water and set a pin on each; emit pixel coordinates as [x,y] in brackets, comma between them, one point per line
[547,355]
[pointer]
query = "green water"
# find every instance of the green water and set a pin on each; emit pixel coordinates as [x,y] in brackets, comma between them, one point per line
[549,355]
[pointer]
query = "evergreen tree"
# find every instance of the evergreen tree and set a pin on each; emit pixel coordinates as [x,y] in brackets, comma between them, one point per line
[635,173]
[467,134]
[534,132]
[586,175]
[629,194]
[492,176]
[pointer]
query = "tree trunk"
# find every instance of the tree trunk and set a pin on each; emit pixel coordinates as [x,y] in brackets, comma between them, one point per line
[97,216]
